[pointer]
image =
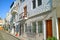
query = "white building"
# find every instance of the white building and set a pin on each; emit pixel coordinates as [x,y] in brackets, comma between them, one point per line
[41,19]
[14,17]
[36,19]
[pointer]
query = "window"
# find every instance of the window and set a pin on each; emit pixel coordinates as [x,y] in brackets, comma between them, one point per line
[22,0]
[29,29]
[39,2]
[12,4]
[22,28]
[40,27]
[26,27]
[34,4]
[34,27]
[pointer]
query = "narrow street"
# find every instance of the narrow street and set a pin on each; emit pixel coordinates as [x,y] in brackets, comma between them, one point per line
[6,36]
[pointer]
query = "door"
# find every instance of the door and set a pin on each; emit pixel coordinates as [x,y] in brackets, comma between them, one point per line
[59,26]
[20,29]
[48,28]
[25,11]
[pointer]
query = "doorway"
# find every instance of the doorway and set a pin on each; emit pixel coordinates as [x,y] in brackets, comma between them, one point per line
[59,26]
[48,28]
[21,29]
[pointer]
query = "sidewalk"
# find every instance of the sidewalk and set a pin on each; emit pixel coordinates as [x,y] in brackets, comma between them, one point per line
[11,34]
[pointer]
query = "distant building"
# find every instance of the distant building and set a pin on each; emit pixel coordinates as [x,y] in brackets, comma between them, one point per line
[1,24]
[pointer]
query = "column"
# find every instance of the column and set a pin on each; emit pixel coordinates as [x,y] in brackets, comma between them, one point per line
[44,29]
[55,25]
[31,27]
[24,28]
[37,35]
[36,27]
[36,3]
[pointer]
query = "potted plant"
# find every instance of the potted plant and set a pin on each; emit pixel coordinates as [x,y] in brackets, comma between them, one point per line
[54,38]
[51,38]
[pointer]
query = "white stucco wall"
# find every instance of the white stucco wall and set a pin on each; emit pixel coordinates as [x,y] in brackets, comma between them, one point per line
[39,9]
[8,16]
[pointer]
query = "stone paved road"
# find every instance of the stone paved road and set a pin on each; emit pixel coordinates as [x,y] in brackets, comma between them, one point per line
[5,36]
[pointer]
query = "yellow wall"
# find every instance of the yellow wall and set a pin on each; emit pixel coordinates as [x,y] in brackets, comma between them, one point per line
[1,28]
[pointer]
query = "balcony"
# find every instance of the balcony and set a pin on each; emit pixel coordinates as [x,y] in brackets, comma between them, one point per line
[22,16]
[13,12]
[14,8]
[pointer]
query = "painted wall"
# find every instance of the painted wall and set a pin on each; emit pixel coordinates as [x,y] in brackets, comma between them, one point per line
[46,6]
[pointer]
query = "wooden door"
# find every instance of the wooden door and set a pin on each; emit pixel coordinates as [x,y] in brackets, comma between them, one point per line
[25,11]
[59,26]
[48,28]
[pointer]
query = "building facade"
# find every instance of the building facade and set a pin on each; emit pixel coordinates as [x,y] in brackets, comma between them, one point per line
[36,19]
[42,20]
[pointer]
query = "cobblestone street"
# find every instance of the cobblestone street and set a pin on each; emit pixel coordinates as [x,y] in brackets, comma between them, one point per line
[6,36]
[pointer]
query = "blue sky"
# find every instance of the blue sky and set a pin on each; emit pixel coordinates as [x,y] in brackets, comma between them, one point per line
[4,7]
